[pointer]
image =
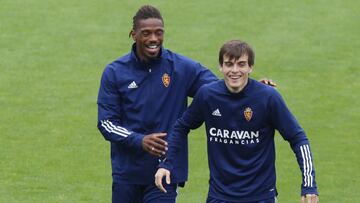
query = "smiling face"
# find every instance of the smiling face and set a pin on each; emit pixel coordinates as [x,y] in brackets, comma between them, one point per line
[236,72]
[149,36]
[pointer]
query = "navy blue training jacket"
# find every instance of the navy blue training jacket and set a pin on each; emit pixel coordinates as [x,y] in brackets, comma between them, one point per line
[136,99]
[240,140]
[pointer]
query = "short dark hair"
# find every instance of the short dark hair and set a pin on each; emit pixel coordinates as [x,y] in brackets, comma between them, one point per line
[145,12]
[236,49]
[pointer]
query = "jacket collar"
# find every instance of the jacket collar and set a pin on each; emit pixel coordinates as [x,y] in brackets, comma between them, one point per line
[151,62]
[245,91]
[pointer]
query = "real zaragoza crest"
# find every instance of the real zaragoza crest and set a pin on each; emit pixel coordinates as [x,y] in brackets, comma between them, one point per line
[248,114]
[166,80]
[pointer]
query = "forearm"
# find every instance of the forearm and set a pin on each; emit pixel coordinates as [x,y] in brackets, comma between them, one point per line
[304,158]
[191,119]
[175,138]
[114,132]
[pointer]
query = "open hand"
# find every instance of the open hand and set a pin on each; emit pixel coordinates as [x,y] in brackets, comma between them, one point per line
[155,144]
[161,172]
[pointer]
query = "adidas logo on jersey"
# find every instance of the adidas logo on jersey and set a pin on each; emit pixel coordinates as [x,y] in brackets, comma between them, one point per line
[132,85]
[216,113]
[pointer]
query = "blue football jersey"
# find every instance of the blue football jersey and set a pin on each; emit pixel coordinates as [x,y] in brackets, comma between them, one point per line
[136,99]
[240,129]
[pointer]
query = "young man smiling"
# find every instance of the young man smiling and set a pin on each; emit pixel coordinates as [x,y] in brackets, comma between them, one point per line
[241,116]
[236,72]
[140,97]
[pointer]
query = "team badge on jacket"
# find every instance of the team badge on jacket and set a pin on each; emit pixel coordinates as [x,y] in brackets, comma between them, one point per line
[248,114]
[166,80]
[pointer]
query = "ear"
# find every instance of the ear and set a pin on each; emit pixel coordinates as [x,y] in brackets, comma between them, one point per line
[251,68]
[220,68]
[133,34]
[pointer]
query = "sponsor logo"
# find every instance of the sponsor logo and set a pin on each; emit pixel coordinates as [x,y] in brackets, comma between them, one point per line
[216,113]
[166,80]
[233,136]
[132,85]
[248,113]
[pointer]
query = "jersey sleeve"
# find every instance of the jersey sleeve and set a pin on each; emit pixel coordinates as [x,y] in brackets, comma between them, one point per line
[289,128]
[199,77]
[109,114]
[191,119]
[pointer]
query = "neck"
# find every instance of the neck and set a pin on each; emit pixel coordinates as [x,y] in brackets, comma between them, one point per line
[143,59]
[236,90]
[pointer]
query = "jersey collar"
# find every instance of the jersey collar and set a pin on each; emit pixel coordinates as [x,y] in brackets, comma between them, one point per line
[152,62]
[245,91]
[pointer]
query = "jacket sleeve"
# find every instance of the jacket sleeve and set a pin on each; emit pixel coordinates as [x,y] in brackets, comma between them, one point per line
[191,119]
[110,114]
[287,125]
[198,77]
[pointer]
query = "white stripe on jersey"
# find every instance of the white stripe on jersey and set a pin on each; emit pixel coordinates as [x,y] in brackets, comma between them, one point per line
[307,165]
[304,165]
[311,167]
[110,127]
[119,128]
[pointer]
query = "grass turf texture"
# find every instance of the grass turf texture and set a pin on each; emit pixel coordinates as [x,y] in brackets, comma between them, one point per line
[53,53]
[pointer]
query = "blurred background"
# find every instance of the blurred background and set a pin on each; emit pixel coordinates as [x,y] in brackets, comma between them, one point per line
[52,54]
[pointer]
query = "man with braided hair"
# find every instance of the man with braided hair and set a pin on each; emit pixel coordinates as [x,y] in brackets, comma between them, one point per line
[141,95]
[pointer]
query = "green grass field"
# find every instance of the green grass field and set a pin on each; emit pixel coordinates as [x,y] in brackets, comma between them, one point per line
[52,54]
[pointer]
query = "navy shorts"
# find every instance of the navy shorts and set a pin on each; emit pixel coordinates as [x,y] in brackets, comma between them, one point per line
[132,193]
[213,200]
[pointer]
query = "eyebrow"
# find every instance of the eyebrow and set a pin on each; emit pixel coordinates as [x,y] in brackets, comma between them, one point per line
[156,29]
[235,61]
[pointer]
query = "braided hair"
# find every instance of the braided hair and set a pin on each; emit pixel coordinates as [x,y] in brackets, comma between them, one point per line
[145,12]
